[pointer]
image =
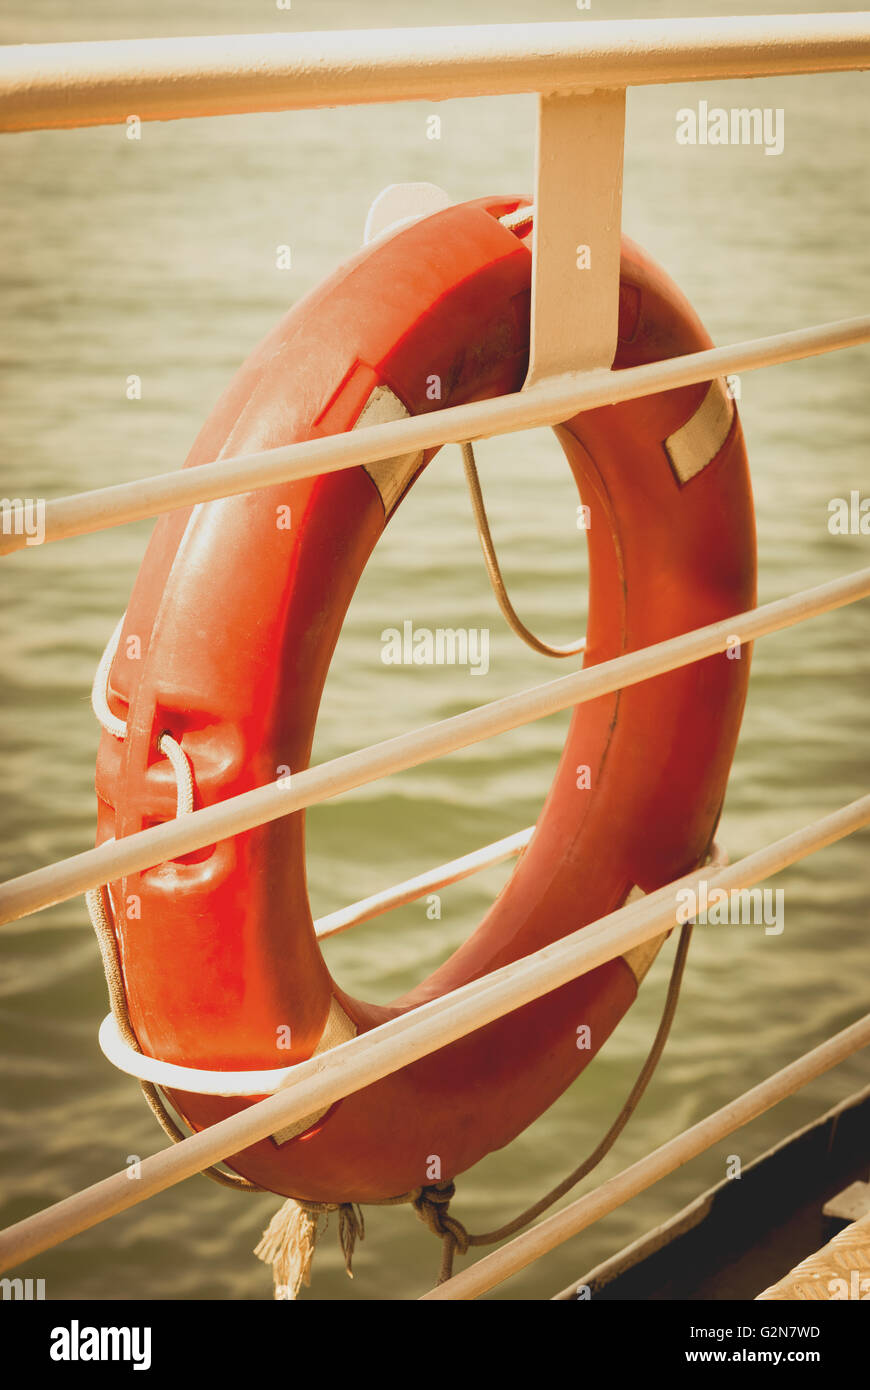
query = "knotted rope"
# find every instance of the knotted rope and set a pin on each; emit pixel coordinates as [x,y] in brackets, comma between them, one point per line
[493,569]
[288,1243]
[99,908]
[290,1239]
[101,923]
[431,1207]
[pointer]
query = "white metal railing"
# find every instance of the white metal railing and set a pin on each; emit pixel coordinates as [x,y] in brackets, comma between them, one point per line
[321,1081]
[413,888]
[64,85]
[115,859]
[547,402]
[580,72]
[524,1249]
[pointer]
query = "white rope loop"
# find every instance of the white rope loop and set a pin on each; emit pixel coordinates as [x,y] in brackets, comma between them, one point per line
[204,1081]
[172,1076]
[99,690]
[117,727]
[166,744]
[520,217]
[173,750]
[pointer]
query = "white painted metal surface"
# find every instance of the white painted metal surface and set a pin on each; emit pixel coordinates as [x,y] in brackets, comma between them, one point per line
[524,1249]
[116,858]
[321,1081]
[577,233]
[63,85]
[568,65]
[547,402]
[412,888]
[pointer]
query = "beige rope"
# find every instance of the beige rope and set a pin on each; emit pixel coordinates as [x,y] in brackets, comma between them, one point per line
[493,569]
[101,922]
[452,1242]
[289,1241]
[520,217]
[99,910]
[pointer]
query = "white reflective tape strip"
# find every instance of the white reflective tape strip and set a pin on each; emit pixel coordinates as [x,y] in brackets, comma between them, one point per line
[698,441]
[338,1028]
[640,958]
[390,476]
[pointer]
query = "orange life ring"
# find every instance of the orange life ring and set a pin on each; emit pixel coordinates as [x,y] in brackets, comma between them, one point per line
[237,620]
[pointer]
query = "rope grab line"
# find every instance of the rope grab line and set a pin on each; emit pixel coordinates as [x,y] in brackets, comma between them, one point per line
[365,1059]
[98,904]
[66,878]
[546,402]
[288,1244]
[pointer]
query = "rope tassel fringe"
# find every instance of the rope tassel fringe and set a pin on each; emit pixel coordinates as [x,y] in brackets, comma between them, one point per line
[289,1242]
[288,1246]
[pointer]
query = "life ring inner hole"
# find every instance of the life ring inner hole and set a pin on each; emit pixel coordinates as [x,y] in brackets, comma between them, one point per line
[427,571]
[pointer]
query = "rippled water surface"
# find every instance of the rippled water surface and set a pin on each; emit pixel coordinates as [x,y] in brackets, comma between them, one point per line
[157,258]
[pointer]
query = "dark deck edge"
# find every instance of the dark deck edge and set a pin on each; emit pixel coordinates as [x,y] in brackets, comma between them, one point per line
[744,1234]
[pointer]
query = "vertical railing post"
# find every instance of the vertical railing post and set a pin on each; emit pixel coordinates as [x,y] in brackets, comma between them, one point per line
[578,224]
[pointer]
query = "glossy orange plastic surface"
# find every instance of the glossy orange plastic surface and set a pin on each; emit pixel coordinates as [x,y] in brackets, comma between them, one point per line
[238,619]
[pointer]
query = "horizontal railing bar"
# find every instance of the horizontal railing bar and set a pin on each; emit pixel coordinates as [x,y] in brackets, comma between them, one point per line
[429,882]
[50,86]
[546,402]
[114,859]
[523,1250]
[321,1081]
